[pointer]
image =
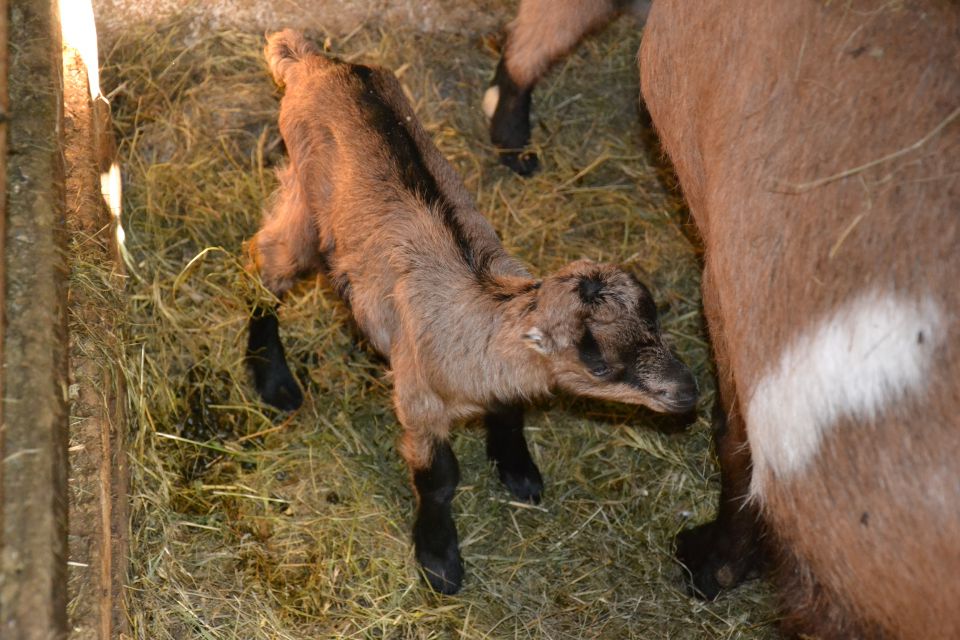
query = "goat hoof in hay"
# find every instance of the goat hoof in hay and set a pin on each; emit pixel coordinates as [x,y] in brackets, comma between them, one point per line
[443,571]
[714,558]
[283,394]
[524,163]
[265,357]
[526,486]
[274,382]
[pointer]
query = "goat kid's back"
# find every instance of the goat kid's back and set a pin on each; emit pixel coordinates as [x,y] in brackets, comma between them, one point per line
[819,148]
[359,160]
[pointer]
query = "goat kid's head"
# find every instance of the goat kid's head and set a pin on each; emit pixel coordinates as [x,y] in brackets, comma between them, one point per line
[597,325]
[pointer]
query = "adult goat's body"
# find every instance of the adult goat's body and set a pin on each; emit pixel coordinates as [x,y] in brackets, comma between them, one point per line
[817,145]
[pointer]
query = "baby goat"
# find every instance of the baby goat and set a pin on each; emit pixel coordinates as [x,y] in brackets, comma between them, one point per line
[368,200]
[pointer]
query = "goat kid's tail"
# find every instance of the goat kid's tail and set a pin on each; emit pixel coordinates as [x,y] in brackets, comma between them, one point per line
[287,48]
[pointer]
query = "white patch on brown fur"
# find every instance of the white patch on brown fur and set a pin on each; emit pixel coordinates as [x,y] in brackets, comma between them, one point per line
[490,101]
[855,364]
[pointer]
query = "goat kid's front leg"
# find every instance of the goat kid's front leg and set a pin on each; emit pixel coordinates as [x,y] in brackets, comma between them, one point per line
[507,448]
[434,532]
[425,446]
[271,375]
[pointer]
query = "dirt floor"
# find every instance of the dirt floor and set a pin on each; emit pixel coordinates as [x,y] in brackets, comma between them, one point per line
[252,524]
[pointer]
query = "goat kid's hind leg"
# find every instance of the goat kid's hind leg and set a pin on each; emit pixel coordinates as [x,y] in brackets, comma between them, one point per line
[542,33]
[285,249]
[265,355]
[507,448]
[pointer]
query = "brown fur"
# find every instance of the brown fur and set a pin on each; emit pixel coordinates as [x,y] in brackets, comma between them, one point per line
[542,33]
[761,112]
[465,325]
[546,30]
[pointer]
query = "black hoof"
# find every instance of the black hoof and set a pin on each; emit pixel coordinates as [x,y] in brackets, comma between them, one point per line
[271,374]
[443,571]
[508,106]
[715,559]
[526,486]
[281,392]
[523,163]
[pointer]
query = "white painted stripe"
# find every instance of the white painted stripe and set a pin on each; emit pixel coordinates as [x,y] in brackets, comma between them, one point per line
[855,363]
[490,100]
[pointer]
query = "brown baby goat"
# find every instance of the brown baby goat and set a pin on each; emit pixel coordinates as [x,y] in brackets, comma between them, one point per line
[368,200]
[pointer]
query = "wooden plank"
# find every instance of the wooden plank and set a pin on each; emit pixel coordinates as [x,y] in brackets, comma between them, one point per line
[4,110]
[98,474]
[33,459]
[4,117]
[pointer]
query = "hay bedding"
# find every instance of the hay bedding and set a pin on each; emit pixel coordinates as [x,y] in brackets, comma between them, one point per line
[252,524]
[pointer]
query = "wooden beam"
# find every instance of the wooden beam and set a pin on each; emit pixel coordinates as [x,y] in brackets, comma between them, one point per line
[4,118]
[98,516]
[4,115]
[33,452]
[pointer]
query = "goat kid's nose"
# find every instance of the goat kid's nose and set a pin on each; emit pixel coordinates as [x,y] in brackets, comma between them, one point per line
[681,393]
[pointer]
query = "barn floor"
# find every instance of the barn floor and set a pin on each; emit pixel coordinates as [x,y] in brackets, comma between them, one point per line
[252,524]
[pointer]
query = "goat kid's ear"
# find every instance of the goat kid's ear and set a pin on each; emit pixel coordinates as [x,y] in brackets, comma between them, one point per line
[537,340]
